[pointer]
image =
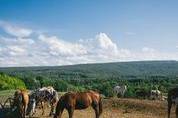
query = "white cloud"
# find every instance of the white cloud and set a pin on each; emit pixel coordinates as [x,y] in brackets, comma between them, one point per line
[105,42]
[106,45]
[15,30]
[58,47]
[15,50]
[43,50]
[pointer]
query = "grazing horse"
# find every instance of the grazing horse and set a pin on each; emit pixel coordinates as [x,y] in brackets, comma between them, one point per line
[142,93]
[172,99]
[120,90]
[20,104]
[79,100]
[42,95]
[155,94]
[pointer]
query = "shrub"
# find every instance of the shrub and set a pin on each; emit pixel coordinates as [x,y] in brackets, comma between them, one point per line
[7,82]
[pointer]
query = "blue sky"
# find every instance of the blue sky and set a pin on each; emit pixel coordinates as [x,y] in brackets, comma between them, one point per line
[130,29]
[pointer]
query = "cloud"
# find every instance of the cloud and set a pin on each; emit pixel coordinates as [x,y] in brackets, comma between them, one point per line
[58,47]
[15,30]
[26,49]
[15,50]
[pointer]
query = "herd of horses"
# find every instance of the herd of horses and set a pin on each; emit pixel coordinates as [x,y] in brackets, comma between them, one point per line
[153,94]
[25,103]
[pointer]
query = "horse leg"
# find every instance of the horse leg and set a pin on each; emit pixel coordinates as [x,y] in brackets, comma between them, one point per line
[22,111]
[100,107]
[169,108]
[96,108]
[52,110]
[70,112]
[59,114]
[42,106]
[25,109]
[176,111]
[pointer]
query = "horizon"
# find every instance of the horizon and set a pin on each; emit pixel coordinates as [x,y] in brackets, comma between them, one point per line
[89,64]
[57,33]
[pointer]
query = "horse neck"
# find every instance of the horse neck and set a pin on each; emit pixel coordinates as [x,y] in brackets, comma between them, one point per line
[59,109]
[55,99]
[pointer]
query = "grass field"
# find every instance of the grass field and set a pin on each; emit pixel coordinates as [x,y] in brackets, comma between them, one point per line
[114,108]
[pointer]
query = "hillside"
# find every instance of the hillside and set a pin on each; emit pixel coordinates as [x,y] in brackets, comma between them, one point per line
[125,70]
[145,75]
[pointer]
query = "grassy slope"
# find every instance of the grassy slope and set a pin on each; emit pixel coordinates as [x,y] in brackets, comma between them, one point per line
[6,92]
[162,68]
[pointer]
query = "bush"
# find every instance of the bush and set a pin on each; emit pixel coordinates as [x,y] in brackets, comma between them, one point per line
[7,82]
[130,92]
[107,90]
[61,85]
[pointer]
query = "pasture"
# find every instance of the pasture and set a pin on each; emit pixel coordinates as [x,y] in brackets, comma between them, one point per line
[113,108]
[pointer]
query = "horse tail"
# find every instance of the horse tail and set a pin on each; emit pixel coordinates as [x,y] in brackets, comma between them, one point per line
[100,106]
[169,100]
[20,99]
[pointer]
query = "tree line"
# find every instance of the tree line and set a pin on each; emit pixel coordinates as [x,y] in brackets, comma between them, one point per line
[104,86]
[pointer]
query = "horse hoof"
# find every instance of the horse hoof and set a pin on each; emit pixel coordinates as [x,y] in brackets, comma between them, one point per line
[51,114]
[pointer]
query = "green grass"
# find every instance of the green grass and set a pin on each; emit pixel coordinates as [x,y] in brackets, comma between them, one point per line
[6,93]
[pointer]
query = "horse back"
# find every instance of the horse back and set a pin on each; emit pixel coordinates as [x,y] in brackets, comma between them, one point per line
[25,97]
[81,100]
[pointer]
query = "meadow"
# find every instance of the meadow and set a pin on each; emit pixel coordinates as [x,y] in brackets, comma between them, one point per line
[112,108]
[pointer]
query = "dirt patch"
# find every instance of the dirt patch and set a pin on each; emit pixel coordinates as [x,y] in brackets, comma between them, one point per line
[136,105]
[118,108]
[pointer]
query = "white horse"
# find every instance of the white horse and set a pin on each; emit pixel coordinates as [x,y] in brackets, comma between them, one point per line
[156,95]
[120,90]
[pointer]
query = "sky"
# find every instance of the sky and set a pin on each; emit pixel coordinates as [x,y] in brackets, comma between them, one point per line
[60,32]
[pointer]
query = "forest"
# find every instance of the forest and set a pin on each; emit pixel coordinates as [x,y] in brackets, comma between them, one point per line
[102,77]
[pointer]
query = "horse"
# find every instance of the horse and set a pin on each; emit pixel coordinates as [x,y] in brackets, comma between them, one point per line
[42,95]
[172,99]
[120,90]
[79,100]
[155,94]
[142,93]
[20,103]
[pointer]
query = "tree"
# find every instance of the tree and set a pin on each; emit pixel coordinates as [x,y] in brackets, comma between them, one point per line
[8,82]
[41,80]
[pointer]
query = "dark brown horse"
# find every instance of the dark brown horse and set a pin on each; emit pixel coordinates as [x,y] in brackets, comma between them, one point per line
[79,100]
[172,99]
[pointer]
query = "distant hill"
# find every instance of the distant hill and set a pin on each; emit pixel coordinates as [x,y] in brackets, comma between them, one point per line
[129,70]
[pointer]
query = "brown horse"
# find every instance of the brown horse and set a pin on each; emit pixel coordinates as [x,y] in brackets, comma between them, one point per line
[79,100]
[21,100]
[172,99]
